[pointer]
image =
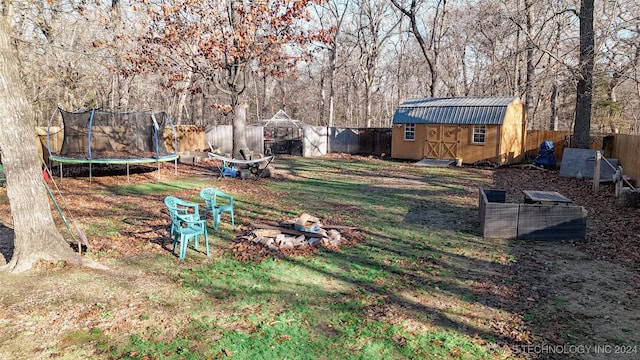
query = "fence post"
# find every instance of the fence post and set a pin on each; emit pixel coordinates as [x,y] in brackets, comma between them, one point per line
[596,172]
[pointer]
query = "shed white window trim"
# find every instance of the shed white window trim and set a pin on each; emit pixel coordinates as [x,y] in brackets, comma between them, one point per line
[479,134]
[410,131]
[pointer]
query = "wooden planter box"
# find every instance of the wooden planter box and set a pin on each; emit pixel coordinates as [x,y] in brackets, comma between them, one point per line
[499,219]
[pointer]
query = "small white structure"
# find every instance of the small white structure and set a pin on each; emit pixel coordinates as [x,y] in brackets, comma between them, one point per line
[282,135]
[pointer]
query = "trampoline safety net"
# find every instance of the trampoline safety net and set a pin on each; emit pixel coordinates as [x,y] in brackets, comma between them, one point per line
[95,135]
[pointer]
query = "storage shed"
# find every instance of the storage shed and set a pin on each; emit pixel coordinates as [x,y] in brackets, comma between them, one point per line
[472,129]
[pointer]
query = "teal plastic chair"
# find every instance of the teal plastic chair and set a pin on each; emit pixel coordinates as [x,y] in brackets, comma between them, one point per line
[217,202]
[186,225]
[184,208]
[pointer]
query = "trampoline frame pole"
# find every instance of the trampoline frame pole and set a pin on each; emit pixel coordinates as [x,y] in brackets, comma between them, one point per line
[93,111]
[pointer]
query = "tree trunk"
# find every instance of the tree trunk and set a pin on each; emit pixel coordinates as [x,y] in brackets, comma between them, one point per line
[584,90]
[332,81]
[239,129]
[553,120]
[36,235]
[531,69]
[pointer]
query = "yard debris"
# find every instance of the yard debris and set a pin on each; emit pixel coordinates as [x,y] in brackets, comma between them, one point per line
[302,236]
[487,164]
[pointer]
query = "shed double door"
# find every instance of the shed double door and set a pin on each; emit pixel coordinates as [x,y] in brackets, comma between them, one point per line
[442,141]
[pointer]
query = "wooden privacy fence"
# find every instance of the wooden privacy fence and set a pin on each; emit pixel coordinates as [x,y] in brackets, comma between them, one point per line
[376,141]
[563,139]
[536,137]
[626,149]
[190,138]
[623,147]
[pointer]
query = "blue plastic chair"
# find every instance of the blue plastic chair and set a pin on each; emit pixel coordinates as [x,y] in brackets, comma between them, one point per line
[212,197]
[186,225]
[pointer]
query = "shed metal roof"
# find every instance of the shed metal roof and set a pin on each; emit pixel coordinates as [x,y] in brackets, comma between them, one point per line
[462,110]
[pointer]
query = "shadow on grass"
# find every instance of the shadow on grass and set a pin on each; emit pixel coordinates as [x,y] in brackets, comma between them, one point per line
[422,261]
[101,170]
[412,270]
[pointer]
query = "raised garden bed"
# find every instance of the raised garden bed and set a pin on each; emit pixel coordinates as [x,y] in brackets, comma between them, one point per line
[499,219]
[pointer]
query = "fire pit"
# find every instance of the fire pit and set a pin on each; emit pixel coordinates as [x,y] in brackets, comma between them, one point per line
[302,236]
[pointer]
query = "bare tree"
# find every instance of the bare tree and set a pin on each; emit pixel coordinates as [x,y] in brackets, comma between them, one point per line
[584,89]
[331,14]
[220,42]
[36,236]
[618,45]
[430,44]
[375,25]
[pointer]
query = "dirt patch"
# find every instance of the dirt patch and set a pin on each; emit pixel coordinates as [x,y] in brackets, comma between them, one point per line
[582,294]
[571,298]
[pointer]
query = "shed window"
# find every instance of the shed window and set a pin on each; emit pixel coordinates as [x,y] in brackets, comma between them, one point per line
[479,134]
[410,131]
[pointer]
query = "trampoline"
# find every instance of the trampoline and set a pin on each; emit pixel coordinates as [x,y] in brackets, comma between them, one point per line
[102,137]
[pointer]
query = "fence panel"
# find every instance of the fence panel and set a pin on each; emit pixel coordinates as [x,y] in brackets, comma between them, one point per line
[255,139]
[343,140]
[220,137]
[314,141]
[626,149]
[536,137]
[190,138]
[375,141]
[55,139]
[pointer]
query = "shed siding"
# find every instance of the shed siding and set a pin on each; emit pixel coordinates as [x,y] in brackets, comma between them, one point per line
[471,153]
[466,150]
[440,128]
[403,149]
[512,142]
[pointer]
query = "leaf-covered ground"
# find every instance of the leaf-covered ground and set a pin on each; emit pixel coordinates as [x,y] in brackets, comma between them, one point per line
[613,230]
[544,294]
[580,293]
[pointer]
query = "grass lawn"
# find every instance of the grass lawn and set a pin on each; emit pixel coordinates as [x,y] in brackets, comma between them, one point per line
[421,283]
